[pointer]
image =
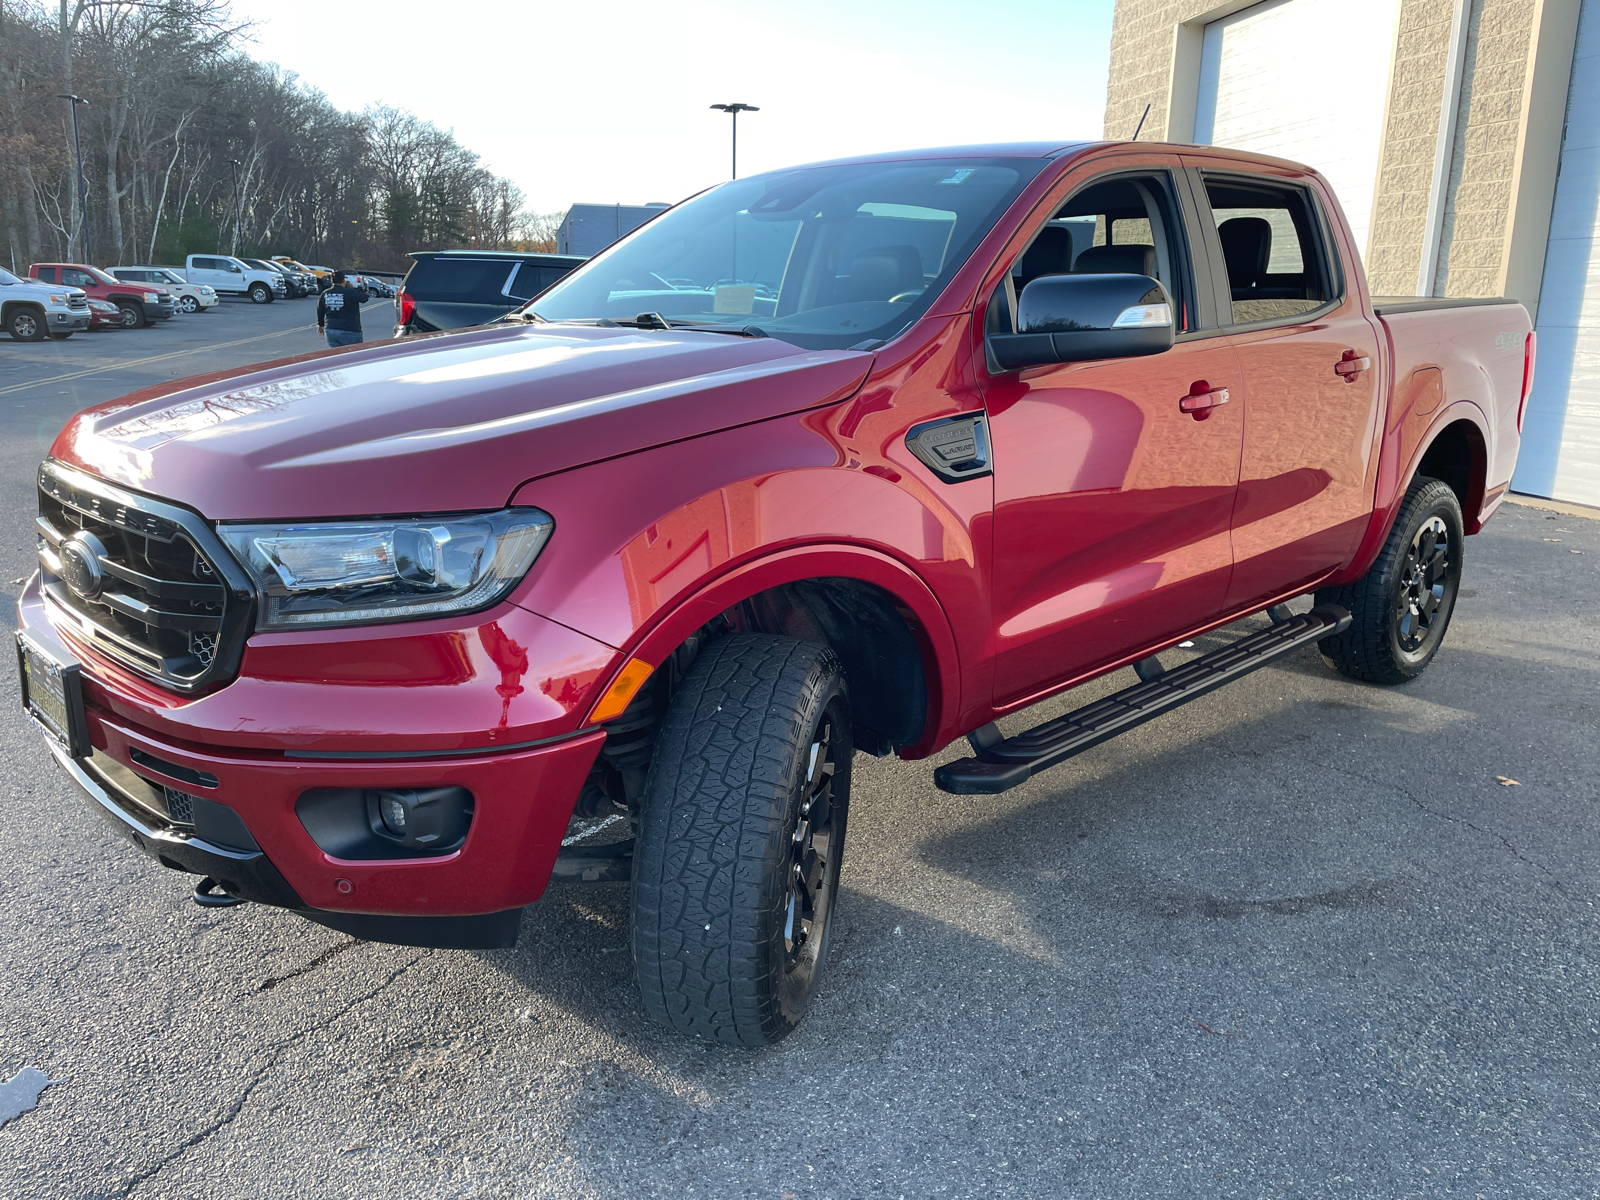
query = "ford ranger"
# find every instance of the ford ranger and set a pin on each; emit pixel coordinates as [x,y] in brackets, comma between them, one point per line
[858,456]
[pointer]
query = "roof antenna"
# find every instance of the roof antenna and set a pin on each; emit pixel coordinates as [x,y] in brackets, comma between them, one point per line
[1141,123]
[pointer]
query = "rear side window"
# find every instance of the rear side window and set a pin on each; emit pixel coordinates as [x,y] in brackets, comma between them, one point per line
[47,274]
[1277,267]
[461,279]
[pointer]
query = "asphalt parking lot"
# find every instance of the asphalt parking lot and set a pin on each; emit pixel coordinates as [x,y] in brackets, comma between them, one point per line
[1292,940]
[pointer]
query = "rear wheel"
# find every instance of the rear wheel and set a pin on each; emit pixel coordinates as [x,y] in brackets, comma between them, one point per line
[1401,608]
[25,325]
[260,293]
[740,835]
[132,314]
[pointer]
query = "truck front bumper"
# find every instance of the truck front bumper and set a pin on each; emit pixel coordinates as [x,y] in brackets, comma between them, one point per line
[71,321]
[264,820]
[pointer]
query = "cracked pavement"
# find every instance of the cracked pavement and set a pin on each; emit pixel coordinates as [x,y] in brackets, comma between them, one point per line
[1291,940]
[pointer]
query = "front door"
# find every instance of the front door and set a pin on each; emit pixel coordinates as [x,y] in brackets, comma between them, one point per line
[1310,364]
[1112,503]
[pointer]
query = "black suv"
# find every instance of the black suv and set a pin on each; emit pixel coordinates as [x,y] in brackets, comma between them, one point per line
[452,289]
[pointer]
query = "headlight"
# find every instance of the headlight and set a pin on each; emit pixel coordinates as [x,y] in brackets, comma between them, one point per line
[150,297]
[55,299]
[321,575]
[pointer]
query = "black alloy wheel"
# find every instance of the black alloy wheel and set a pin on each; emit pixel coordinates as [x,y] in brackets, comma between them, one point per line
[814,867]
[741,829]
[1402,606]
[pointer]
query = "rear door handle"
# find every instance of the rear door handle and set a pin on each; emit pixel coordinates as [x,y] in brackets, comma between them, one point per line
[1351,365]
[1202,398]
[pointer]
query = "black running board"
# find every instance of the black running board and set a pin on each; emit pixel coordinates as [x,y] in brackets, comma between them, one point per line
[1005,764]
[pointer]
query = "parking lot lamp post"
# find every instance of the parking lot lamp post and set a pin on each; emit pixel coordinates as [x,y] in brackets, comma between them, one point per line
[238,211]
[733,110]
[83,183]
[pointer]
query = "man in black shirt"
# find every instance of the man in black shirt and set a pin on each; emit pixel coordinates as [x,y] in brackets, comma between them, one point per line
[339,312]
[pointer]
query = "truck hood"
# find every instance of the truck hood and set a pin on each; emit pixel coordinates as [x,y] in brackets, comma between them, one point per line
[440,424]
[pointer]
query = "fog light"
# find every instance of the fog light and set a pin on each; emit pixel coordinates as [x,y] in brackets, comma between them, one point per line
[393,813]
[424,819]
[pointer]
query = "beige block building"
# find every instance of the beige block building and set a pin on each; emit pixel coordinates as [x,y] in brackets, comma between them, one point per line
[1462,136]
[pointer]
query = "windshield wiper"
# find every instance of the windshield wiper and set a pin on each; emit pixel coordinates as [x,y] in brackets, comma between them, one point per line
[653,320]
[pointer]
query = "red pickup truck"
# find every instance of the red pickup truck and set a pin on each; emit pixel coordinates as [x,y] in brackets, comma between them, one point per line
[858,456]
[139,303]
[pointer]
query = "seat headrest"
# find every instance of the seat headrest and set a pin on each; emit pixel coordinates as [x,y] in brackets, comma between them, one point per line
[1116,260]
[1246,247]
[1050,254]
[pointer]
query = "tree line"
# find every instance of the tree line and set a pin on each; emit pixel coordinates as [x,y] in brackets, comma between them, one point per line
[190,146]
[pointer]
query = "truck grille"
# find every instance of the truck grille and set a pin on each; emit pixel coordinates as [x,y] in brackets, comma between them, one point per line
[147,583]
[77,302]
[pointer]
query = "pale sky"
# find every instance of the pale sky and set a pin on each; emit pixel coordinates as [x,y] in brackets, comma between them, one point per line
[608,102]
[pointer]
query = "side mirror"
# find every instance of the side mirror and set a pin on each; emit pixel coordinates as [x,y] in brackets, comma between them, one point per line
[1074,318]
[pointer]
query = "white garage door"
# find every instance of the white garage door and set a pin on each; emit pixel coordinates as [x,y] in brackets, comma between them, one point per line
[1561,434]
[1278,78]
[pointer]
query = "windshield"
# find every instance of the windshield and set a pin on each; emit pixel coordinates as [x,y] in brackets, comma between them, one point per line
[824,257]
[7,278]
[169,276]
[101,275]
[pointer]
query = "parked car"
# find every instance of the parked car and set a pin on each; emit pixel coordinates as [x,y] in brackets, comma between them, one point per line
[285,260]
[30,311]
[232,277]
[190,297]
[861,456]
[140,303]
[376,286]
[293,287]
[104,315]
[454,289]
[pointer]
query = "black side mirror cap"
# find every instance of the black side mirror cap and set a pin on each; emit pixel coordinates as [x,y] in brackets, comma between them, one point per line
[1077,318]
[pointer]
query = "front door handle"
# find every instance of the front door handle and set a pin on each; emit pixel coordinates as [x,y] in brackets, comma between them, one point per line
[1351,365]
[1202,398]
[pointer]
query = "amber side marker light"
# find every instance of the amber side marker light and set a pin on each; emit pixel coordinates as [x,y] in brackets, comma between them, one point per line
[621,692]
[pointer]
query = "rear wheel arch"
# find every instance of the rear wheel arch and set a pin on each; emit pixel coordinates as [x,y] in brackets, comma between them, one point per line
[1457,455]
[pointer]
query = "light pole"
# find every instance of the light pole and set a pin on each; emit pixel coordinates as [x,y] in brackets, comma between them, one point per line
[238,213]
[733,110]
[83,183]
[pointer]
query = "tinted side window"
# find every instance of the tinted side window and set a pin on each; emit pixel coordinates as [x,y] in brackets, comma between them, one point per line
[210,264]
[1276,266]
[460,279]
[47,274]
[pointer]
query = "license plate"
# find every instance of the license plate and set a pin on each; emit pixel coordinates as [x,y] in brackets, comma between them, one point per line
[52,692]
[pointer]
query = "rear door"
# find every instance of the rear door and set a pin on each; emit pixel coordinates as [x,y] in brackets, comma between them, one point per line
[1112,505]
[209,271]
[455,292]
[1310,361]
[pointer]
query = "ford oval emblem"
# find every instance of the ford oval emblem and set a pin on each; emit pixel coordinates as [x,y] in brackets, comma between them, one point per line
[80,565]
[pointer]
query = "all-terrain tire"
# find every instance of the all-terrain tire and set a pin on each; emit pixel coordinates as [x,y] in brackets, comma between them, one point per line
[1401,608]
[736,866]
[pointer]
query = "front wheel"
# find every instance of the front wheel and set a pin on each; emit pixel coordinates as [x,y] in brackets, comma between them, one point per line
[740,835]
[260,293]
[132,314]
[61,337]
[1401,608]
[189,304]
[25,325]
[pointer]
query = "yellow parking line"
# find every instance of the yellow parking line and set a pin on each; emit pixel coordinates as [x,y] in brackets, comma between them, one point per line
[137,362]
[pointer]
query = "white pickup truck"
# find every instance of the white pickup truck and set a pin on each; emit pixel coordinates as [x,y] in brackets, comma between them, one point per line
[30,310]
[233,277]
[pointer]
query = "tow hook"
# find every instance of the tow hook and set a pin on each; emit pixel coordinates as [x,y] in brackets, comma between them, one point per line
[206,895]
